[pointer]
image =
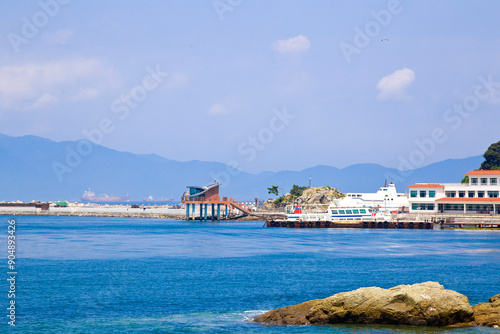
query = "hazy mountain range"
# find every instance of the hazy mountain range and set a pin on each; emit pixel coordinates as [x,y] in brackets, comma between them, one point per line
[34,168]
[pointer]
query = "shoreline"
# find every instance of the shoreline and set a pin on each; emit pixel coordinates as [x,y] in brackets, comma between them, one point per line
[164,212]
[118,212]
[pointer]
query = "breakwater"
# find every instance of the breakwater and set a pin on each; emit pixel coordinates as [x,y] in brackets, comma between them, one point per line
[119,211]
[95,211]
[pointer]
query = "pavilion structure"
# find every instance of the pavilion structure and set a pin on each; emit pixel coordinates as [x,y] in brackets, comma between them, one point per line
[207,197]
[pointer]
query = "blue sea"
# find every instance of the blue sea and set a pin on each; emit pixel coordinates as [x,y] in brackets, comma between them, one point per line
[117,275]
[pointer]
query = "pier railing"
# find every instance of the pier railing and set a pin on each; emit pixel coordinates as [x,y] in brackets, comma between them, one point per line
[203,199]
[307,208]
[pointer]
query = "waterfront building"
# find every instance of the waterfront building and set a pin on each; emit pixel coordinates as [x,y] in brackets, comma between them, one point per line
[206,197]
[481,195]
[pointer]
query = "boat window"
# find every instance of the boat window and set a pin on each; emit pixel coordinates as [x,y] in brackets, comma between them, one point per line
[334,212]
[341,212]
[362,210]
[355,211]
[349,212]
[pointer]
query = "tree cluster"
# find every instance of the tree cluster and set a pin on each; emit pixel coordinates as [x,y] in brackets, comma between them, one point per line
[295,193]
[492,157]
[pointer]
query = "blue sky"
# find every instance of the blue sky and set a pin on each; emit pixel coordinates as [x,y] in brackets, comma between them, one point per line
[261,85]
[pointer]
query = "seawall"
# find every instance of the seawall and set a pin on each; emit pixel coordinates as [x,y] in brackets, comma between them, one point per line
[97,211]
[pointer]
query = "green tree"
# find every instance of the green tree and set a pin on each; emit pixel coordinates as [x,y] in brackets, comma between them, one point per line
[279,201]
[492,158]
[297,191]
[466,179]
[273,190]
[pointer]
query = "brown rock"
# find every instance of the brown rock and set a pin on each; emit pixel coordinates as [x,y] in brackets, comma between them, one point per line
[488,314]
[290,315]
[424,304]
[320,195]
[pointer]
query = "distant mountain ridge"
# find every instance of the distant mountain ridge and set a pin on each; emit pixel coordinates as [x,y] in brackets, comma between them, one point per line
[35,168]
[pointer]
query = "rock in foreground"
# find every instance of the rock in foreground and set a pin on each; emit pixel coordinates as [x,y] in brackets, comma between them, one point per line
[424,304]
[488,314]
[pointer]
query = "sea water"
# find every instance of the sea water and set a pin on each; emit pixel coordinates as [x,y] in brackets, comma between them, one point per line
[118,275]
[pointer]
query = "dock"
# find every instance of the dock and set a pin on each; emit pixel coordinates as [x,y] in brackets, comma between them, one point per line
[401,221]
[353,224]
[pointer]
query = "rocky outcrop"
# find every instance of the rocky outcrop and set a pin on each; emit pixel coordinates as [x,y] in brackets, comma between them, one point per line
[319,195]
[424,304]
[488,314]
[269,204]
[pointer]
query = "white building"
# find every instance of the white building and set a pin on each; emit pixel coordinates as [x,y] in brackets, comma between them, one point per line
[480,195]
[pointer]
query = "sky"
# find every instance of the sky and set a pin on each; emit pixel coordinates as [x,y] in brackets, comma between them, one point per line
[259,85]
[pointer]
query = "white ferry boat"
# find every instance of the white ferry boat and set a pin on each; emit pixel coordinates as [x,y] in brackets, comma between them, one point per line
[386,199]
[334,213]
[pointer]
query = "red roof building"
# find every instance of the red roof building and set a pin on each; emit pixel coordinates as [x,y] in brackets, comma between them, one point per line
[480,195]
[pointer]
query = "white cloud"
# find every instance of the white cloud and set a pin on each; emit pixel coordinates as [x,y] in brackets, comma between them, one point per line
[24,85]
[393,86]
[176,80]
[218,109]
[85,94]
[59,37]
[295,44]
[46,100]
